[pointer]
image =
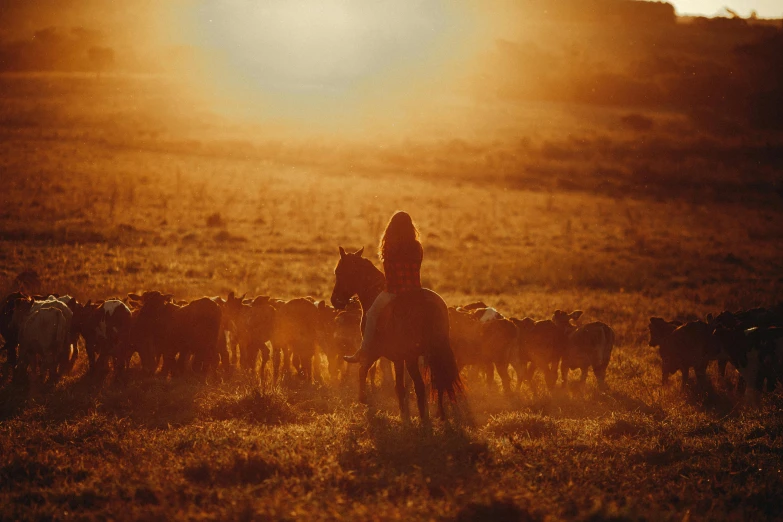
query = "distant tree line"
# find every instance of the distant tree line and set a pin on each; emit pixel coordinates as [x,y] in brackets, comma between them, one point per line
[722,69]
[57,49]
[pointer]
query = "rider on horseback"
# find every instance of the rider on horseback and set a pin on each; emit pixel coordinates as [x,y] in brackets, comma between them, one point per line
[401,254]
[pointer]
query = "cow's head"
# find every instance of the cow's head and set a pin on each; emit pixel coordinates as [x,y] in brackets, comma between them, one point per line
[524,325]
[660,330]
[21,309]
[563,319]
[233,304]
[151,300]
[7,310]
[83,314]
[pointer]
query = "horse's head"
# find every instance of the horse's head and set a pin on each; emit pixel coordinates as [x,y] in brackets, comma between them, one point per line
[350,275]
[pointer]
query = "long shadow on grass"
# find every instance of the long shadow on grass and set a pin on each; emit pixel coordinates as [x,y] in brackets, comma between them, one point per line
[385,454]
[710,400]
[147,401]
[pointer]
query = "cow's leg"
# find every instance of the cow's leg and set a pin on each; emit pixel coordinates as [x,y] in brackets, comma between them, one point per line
[331,366]
[421,393]
[169,362]
[91,349]
[276,353]
[531,373]
[69,358]
[50,360]
[551,375]
[265,356]
[505,378]
[566,370]
[11,354]
[489,370]
[600,375]
[345,370]
[684,382]
[387,373]
[307,368]
[318,375]
[701,374]
[402,393]
[521,371]
[222,357]
[248,357]
[288,363]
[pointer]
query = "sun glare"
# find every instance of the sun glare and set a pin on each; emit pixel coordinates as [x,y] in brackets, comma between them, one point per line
[294,57]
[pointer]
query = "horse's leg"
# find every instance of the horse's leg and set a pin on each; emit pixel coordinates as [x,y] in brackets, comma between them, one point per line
[363,369]
[418,385]
[373,373]
[399,387]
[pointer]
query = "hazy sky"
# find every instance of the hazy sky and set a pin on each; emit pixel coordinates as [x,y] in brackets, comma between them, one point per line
[764,8]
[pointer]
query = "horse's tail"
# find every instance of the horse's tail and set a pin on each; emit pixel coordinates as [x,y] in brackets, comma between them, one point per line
[440,364]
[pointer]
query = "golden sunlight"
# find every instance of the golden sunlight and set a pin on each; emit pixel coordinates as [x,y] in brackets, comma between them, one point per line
[296,57]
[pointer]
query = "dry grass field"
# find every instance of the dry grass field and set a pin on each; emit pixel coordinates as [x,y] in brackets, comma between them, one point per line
[108,188]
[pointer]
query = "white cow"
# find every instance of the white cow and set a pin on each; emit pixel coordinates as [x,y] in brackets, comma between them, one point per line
[43,338]
[68,356]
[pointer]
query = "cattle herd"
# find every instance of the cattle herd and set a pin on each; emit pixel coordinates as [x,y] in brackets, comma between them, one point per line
[41,336]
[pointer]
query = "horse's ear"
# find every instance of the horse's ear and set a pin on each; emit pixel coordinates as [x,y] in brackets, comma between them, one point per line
[359,252]
[342,252]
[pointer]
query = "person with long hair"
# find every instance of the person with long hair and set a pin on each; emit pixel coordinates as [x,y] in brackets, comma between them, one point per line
[401,253]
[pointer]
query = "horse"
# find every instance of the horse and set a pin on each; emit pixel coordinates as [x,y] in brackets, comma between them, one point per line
[414,324]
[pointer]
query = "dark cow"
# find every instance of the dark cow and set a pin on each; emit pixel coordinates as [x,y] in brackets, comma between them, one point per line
[8,329]
[343,336]
[589,346]
[105,327]
[189,331]
[43,333]
[542,345]
[465,338]
[752,342]
[294,338]
[690,345]
[227,340]
[254,322]
[483,338]
[326,335]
